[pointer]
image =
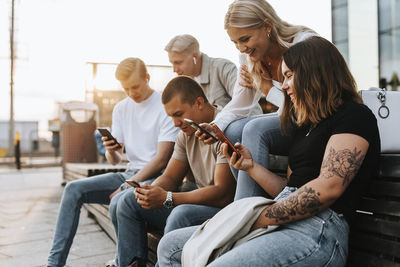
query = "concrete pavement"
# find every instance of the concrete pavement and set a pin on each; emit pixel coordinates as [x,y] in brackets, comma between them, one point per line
[29,201]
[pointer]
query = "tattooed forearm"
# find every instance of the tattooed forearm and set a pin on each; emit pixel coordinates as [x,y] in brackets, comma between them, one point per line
[304,201]
[343,163]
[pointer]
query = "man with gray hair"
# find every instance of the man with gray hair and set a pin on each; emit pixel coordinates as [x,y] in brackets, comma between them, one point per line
[217,76]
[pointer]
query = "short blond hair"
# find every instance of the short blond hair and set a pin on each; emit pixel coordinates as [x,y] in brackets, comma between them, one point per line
[129,66]
[184,43]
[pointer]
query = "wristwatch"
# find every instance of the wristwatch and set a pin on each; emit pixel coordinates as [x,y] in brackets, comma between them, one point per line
[169,203]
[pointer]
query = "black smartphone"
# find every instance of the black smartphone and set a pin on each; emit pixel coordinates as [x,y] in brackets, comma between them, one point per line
[132,183]
[231,147]
[105,132]
[198,127]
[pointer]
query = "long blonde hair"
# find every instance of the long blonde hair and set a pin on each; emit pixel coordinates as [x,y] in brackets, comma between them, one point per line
[254,14]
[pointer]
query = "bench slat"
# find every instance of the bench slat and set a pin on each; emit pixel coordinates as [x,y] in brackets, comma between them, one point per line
[390,166]
[103,220]
[364,259]
[374,244]
[372,224]
[378,206]
[153,238]
[383,188]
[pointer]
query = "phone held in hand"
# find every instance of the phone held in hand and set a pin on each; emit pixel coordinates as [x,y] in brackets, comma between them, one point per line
[132,183]
[105,132]
[198,127]
[231,147]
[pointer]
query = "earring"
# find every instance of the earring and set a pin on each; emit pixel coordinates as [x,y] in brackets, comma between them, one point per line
[269,35]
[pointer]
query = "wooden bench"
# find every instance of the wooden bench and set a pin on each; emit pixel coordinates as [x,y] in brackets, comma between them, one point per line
[375,235]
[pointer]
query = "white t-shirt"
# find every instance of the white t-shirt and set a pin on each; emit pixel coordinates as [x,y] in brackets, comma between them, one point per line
[140,126]
[244,99]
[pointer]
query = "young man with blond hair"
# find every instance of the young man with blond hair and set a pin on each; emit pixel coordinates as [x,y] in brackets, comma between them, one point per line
[147,134]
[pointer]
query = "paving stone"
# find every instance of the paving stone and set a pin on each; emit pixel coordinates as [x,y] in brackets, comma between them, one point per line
[29,203]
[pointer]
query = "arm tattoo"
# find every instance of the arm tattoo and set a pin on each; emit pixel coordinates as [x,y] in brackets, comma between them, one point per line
[343,163]
[304,201]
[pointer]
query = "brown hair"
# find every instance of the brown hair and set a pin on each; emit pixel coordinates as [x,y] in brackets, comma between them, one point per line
[188,89]
[322,82]
[129,66]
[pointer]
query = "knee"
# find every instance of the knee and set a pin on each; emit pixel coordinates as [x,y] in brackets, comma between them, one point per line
[252,128]
[261,131]
[73,190]
[113,207]
[166,249]
[178,218]
[126,204]
[234,130]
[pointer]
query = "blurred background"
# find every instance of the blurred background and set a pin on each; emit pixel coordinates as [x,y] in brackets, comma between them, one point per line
[67,51]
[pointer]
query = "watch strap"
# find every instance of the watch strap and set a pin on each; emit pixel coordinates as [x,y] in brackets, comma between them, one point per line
[169,203]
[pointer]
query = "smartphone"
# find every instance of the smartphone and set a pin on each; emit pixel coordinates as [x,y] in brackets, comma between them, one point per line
[132,183]
[105,132]
[231,147]
[198,127]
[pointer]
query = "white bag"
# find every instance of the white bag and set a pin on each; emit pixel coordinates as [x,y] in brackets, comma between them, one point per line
[386,107]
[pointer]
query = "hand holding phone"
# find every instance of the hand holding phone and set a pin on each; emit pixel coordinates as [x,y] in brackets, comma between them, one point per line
[132,183]
[105,132]
[201,129]
[231,147]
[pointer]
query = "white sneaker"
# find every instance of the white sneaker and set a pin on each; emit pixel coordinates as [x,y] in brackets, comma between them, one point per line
[111,263]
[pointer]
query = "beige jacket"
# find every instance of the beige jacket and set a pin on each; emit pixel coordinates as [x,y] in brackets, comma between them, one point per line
[227,229]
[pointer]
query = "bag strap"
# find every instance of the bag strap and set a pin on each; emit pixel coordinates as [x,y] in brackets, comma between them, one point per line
[383,110]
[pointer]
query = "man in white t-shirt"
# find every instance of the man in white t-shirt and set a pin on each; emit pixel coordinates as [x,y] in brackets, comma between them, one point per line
[142,127]
[161,204]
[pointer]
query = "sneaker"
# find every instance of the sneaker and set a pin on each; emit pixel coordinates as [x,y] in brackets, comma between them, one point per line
[111,263]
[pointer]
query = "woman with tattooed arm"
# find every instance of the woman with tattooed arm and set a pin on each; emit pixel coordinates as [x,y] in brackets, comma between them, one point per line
[334,152]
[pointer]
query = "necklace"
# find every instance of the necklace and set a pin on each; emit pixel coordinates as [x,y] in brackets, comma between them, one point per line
[309,130]
[266,68]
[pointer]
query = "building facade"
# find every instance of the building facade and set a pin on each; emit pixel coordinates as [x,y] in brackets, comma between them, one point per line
[367,32]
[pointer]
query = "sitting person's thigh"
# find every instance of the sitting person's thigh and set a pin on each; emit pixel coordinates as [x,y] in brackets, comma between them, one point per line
[189,215]
[264,133]
[294,244]
[169,250]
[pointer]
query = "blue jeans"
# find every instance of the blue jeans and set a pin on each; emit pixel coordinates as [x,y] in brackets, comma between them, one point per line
[261,134]
[90,190]
[321,240]
[130,221]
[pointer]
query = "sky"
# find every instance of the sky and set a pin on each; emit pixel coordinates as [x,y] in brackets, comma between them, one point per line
[55,39]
